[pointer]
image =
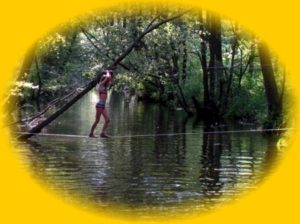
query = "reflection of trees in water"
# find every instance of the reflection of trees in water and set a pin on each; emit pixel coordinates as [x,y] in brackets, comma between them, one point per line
[67,169]
[174,146]
[233,162]
[154,170]
[272,153]
[153,163]
[211,155]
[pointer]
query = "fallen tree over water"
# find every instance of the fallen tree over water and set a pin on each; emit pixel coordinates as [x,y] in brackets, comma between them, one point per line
[152,26]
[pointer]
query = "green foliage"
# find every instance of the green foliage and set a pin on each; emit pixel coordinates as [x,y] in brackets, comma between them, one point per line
[193,86]
[53,45]
[165,58]
[248,101]
[22,88]
[126,80]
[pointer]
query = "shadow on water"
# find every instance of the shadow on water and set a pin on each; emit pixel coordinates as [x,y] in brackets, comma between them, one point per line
[154,172]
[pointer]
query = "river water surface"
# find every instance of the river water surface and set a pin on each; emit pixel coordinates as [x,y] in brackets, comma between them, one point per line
[155,160]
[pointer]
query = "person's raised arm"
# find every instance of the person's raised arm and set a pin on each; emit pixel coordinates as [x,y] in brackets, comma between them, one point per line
[104,78]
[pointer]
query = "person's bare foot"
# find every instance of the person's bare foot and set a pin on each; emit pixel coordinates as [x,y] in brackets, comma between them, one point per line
[103,135]
[92,135]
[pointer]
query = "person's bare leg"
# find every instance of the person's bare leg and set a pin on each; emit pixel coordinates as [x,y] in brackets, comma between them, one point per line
[107,121]
[97,119]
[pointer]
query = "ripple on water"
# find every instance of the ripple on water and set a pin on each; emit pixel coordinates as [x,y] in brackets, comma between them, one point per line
[150,173]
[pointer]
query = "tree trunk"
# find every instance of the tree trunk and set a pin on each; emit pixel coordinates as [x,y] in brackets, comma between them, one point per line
[216,42]
[38,95]
[215,64]
[234,46]
[251,58]
[203,60]
[174,66]
[183,102]
[185,57]
[273,98]
[94,81]
[174,72]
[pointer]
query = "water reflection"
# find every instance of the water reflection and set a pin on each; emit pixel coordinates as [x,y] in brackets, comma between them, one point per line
[154,172]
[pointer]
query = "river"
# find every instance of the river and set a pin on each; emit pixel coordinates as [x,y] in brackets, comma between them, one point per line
[156,160]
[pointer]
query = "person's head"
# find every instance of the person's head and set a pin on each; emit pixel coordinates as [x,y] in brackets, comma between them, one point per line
[110,72]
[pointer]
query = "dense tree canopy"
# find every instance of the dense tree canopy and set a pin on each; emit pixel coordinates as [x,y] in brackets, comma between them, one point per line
[198,61]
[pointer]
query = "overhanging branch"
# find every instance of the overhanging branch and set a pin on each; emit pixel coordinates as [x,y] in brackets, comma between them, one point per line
[94,81]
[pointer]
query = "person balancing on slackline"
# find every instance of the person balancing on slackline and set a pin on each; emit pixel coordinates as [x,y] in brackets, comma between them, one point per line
[102,88]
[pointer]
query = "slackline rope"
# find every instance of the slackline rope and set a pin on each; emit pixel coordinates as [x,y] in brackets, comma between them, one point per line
[163,134]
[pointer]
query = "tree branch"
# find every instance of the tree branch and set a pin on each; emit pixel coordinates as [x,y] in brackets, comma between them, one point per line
[94,81]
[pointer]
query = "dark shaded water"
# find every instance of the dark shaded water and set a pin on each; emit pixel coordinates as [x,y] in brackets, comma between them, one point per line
[151,172]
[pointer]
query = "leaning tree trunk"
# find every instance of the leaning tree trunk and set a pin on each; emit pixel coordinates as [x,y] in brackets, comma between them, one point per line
[273,98]
[94,81]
